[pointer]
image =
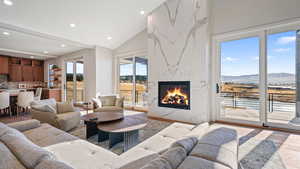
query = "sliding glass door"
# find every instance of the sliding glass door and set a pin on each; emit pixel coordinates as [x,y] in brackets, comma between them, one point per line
[257,78]
[239,83]
[74,83]
[133,79]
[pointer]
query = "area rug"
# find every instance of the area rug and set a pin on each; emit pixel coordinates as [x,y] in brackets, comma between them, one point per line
[253,154]
[152,127]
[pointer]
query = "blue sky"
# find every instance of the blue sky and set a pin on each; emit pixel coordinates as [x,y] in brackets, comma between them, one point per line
[79,68]
[241,57]
[127,69]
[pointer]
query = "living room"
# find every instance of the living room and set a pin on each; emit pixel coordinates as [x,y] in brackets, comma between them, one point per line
[183,84]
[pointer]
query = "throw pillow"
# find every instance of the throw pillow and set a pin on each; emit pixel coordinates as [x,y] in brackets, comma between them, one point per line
[44,108]
[108,100]
[96,103]
[64,107]
[187,143]
[174,156]
[120,102]
[158,163]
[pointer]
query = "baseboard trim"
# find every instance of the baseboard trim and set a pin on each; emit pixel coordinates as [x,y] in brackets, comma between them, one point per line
[169,120]
[258,127]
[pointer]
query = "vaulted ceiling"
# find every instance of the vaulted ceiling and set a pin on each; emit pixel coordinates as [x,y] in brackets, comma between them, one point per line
[36,26]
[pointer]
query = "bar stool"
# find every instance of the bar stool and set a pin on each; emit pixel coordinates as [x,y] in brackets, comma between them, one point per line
[24,100]
[4,103]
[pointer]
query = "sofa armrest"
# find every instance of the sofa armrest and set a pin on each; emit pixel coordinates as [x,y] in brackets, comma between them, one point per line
[45,117]
[25,125]
[69,120]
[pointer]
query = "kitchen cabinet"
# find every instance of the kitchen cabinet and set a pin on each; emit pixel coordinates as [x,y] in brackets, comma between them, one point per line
[15,73]
[38,73]
[4,65]
[27,73]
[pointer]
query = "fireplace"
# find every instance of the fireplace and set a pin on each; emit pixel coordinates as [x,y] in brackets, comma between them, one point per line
[174,94]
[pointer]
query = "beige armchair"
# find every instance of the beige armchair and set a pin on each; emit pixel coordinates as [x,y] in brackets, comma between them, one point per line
[108,103]
[59,115]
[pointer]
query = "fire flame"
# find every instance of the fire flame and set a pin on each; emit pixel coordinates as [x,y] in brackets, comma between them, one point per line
[175,96]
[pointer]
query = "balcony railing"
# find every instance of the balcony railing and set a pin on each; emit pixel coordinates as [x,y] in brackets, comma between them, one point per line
[250,100]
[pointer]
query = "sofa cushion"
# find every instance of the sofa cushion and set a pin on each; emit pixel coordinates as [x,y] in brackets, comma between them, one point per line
[44,108]
[25,125]
[27,152]
[83,155]
[198,163]
[216,154]
[68,121]
[51,102]
[64,107]
[52,164]
[135,158]
[174,156]
[120,102]
[3,128]
[219,145]
[8,160]
[46,135]
[158,163]
[199,130]
[187,143]
[108,100]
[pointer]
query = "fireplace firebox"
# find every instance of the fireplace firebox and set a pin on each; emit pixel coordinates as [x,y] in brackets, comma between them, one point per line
[174,94]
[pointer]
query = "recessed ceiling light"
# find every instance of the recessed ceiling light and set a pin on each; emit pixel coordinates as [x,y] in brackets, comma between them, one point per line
[46,52]
[142,12]
[109,38]
[31,57]
[8,2]
[6,33]
[72,25]
[63,45]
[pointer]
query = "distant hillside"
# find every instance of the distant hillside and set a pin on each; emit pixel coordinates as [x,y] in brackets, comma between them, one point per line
[273,78]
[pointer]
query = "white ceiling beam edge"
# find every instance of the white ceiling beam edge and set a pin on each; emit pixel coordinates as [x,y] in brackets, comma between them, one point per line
[27,53]
[43,35]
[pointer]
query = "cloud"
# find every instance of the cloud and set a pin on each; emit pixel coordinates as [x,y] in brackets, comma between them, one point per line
[282,49]
[255,58]
[286,39]
[230,59]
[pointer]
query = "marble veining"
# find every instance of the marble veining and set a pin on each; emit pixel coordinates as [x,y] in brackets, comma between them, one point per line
[177,38]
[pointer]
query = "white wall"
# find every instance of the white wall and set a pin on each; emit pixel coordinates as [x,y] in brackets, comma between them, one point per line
[97,70]
[232,15]
[104,73]
[177,50]
[137,43]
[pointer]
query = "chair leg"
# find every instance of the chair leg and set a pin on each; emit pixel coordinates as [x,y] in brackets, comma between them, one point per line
[9,109]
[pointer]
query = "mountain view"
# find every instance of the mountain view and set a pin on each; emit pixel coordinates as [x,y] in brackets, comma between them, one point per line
[285,79]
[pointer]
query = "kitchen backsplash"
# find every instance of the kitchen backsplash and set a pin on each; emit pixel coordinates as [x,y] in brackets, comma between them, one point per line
[15,85]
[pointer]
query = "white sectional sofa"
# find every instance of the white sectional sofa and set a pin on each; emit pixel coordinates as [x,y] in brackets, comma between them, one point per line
[213,148]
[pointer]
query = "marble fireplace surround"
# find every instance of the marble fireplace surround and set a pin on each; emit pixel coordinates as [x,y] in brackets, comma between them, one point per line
[178,39]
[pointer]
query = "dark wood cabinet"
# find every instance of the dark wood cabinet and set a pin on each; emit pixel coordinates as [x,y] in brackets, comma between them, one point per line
[3,65]
[15,73]
[25,70]
[27,73]
[38,73]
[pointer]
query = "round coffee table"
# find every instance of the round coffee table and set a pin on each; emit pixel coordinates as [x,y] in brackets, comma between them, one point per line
[124,130]
[93,119]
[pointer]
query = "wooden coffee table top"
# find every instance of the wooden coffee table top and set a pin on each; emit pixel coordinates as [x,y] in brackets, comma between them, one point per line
[103,116]
[128,123]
